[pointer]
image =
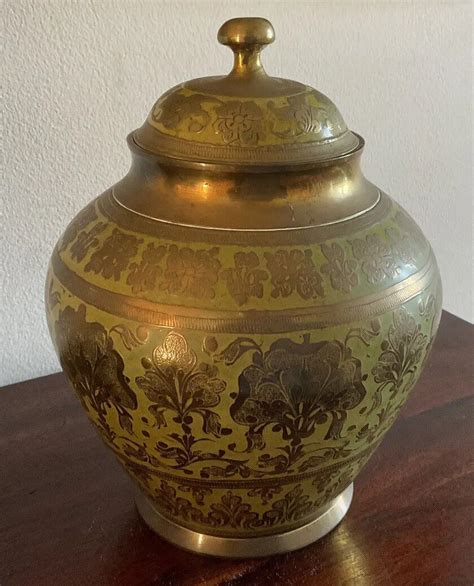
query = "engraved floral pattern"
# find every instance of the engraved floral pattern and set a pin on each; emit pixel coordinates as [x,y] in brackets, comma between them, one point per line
[299,117]
[377,259]
[143,275]
[205,272]
[401,351]
[53,297]
[266,493]
[177,386]
[85,241]
[81,221]
[401,355]
[198,492]
[293,507]
[94,368]
[193,273]
[246,122]
[176,110]
[294,270]
[342,272]
[295,387]
[174,382]
[239,123]
[112,258]
[168,501]
[246,278]
[289,390]
[232,512]
[410,227]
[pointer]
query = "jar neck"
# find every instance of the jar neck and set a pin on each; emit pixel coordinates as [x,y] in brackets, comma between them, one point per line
[241,199]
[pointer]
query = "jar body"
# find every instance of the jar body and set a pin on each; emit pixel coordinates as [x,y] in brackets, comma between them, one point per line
[242,378]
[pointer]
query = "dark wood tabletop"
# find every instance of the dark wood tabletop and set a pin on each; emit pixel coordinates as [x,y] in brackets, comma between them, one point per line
[67,514]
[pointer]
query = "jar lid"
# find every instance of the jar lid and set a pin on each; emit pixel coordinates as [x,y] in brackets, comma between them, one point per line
[246,117]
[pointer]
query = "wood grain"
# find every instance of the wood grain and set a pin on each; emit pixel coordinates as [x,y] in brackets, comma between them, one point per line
[67,514]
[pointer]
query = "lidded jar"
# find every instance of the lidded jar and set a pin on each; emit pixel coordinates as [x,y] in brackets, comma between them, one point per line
[244,314]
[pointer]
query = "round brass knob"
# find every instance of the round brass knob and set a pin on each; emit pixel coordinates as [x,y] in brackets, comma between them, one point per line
[246,37]
[246,32]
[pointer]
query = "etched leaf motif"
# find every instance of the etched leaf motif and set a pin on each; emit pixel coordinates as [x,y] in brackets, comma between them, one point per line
[158,412]
[294,506]
[236,349]
[95,368]
[175,110]
[342,272]
[129,338]
[231,511]
[126,422]
[300,117]
[400,357]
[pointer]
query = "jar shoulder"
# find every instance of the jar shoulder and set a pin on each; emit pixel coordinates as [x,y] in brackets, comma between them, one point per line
[108,247]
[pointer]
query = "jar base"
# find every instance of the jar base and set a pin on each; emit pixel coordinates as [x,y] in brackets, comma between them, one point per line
[249,547]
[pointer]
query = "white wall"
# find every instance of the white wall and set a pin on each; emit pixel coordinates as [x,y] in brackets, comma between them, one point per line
[79,75]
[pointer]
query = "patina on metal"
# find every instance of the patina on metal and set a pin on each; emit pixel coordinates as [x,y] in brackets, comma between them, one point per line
[244,314]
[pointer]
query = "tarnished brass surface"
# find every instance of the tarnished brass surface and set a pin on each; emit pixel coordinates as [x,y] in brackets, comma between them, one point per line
[244,314]
[246,200]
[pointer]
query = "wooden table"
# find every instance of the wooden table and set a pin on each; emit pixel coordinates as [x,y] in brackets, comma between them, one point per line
[67,515]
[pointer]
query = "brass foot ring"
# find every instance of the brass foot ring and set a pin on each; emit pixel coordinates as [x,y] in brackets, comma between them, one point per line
[248,547]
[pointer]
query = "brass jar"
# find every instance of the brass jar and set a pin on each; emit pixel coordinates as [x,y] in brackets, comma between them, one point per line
[244,314]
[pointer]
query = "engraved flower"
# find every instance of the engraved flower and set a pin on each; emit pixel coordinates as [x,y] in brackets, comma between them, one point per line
[174,110]
[239,123]
[402,246]
[192,273]
[85,241]
[142,276]
[292,270]
[81,221]
[402,350]
[401,357]
[295,387]
[244,280]
[175,383]
[340,270]
[114,255]
[378,261]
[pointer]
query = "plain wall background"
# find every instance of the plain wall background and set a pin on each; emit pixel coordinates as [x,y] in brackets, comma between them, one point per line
[79,75]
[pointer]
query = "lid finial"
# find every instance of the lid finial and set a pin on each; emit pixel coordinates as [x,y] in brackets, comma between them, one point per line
[246,37]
